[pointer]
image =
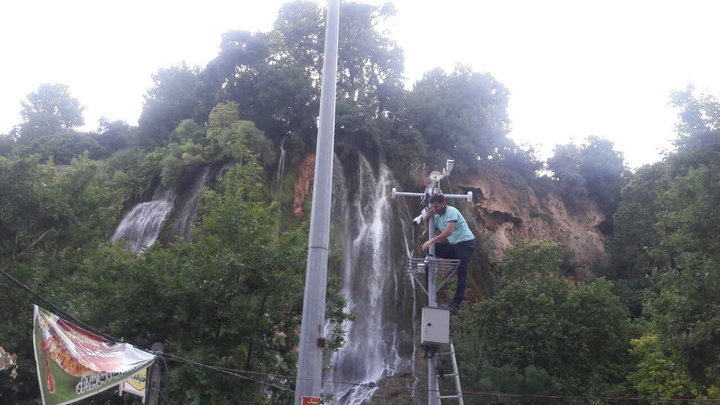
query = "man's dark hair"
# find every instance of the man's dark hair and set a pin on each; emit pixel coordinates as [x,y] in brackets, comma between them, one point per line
[437,198]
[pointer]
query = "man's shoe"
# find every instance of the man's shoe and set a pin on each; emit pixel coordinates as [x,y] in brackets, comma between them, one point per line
[451,308]
[454,310]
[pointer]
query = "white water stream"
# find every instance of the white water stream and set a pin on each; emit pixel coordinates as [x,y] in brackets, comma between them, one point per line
[141,226]
[375,230]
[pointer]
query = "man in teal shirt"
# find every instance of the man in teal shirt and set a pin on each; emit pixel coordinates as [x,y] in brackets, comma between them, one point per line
[455,241]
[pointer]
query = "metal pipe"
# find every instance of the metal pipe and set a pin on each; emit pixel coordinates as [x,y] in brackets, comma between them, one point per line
[468,197]
[404,194]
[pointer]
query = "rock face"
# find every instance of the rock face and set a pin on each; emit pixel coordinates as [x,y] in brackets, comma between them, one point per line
[506,210]
[306,175]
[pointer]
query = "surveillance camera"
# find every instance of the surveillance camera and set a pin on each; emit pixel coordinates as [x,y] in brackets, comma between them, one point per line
[418,219]
[449,165]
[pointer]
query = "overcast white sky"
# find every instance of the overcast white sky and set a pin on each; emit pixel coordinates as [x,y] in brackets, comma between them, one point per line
[574,68]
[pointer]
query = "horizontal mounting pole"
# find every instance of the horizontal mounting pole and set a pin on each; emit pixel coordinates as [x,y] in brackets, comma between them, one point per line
[468,197]
[396,193]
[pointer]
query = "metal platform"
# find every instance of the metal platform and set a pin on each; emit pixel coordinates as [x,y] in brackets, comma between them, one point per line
[444,268]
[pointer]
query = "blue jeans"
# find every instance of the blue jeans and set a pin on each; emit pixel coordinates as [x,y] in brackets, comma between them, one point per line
[462,251]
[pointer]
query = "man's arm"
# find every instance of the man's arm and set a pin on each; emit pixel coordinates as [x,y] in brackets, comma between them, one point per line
[443,235]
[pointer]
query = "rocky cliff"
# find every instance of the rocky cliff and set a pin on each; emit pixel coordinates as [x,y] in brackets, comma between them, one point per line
[505,209]
[301,188]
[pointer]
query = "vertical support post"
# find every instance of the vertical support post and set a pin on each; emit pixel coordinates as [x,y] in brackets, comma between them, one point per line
[309,374]
[431,279]
[433,387]
[153,384]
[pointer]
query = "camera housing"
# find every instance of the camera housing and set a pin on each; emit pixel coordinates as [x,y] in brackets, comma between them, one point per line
[418,219]
[449,164]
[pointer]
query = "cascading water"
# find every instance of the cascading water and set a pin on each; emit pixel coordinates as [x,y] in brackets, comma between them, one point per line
[182,227]
[375,230]
[281,166]
[141,226]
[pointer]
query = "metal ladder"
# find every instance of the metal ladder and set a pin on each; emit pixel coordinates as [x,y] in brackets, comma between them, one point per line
[455,374]
[444,269]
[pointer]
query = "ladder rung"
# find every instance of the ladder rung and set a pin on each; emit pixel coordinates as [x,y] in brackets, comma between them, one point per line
[455,374]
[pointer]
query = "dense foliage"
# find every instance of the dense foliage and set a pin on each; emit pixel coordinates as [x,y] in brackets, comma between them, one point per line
[593,170]
[646,326]
[541,335]
[666,246]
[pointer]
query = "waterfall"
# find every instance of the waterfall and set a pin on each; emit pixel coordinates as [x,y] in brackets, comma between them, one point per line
[141,226]
[182,226]
[281,167]
[374,238]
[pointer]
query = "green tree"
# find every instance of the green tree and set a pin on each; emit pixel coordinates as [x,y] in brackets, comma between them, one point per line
[369,85]
[234,74]
[134,169]
[275,79]
[594,169]
[230,137]
[49,110]
[113,135]
[686,317]
[180,161]
[30,208]
[605,173]
[523,159]
[530,381]
[462,115]
[659,374]
[667,250]
[528,335]
[267,75]
[698,119]
[7,143]
[173,98]
[61,148]
[542,335]
[635,245]
[50,116]
[527,262]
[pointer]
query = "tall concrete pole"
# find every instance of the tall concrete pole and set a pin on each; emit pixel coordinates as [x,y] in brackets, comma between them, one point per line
[309,371]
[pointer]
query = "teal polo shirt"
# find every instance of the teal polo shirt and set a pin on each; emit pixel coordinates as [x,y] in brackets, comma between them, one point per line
[461,232]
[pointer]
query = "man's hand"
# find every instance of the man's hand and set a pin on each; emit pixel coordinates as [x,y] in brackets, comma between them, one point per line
[426,245]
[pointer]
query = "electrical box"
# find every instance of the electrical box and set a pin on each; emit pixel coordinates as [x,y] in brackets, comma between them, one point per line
[435,326]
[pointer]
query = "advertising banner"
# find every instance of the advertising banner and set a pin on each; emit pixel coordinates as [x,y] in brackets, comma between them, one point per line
[73,363]
[135,384]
